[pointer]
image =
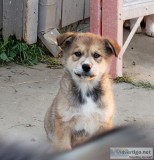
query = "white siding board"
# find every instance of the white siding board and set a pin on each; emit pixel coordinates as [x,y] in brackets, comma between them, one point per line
[136,2]
[137,10]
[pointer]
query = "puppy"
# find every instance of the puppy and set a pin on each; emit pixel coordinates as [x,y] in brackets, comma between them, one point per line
[84,105]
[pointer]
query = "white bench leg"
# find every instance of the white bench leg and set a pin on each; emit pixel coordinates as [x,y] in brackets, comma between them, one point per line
[119,66]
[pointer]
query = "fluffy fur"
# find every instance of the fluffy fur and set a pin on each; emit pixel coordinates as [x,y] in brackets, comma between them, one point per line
[84,105]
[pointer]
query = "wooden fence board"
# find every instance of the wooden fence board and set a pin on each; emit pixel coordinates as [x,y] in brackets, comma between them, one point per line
[1,13]
[12,18]
[16,19]
[87,9]
[58,13]
[30,23]
[72,11]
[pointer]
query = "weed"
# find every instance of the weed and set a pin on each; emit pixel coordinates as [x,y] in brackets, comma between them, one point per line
[126,79]
[19,52]
[51,62]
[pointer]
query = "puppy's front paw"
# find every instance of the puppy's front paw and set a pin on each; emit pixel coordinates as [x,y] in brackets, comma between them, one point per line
[149,29]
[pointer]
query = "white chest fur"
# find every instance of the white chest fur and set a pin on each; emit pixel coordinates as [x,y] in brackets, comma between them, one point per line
[89,117]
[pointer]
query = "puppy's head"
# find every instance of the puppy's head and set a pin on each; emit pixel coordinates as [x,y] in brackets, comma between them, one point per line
[87,56]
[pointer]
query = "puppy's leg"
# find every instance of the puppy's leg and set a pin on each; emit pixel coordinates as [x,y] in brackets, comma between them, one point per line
[149,29]
[62,136]
[106,127]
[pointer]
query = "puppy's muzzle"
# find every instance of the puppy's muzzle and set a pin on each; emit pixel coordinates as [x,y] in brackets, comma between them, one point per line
[86,71]
[86,67]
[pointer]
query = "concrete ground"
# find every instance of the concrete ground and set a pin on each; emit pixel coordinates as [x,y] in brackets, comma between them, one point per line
[139,58]
[26,93]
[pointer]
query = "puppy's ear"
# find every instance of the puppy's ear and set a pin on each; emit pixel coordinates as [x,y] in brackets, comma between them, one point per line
[65,39]
[111,47]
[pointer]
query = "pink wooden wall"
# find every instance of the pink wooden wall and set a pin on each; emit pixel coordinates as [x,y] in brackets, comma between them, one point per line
[106,20]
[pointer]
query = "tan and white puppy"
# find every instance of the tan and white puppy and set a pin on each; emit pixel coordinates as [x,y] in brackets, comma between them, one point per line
[84,105]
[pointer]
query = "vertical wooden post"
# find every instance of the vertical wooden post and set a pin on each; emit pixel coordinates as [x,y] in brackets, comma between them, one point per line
[30,22]
[95,16]
[112,26]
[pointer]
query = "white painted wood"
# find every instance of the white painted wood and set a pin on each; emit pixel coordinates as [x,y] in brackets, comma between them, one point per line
[119,60]
[133,9]
[30,21]
[137,9]
[133,31]
[72,11]
[136,2]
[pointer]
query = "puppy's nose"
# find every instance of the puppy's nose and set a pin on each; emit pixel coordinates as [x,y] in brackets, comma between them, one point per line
[86,67]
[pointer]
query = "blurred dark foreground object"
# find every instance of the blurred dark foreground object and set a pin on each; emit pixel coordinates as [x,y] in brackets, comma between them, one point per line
[95,149]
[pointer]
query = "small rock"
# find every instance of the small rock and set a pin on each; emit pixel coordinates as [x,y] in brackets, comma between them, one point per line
[133,63]
[126,120]
[29,125]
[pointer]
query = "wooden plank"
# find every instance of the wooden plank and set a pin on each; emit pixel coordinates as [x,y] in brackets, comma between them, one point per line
[138,10]
[58,13]
[12,18]
[112,19]
[72,11]
[130,36]
[95,17]
[112,26]
[30,21]
[135,2]
[1,13]
[87,9]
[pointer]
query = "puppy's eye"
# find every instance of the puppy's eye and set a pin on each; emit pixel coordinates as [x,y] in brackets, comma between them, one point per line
[78,54]
[96,55]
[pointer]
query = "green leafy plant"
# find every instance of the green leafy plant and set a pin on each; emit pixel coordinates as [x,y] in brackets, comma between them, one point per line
[19,52]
